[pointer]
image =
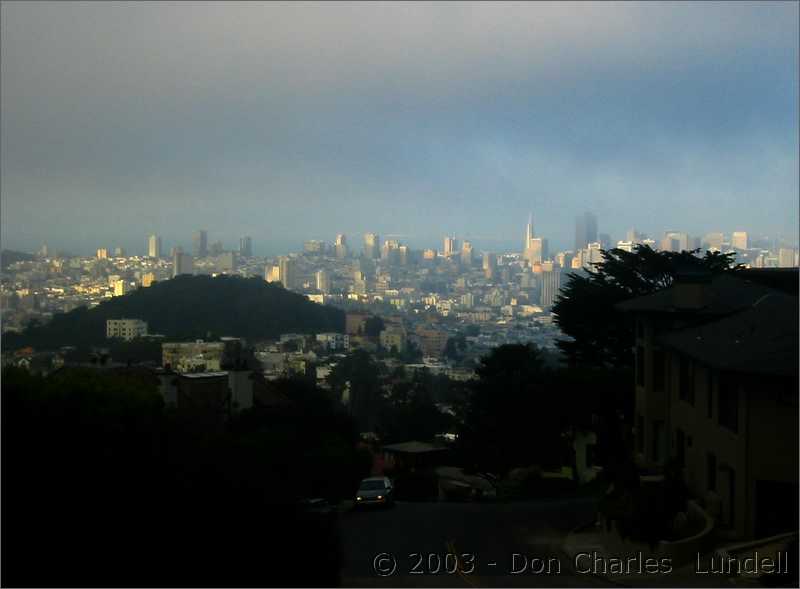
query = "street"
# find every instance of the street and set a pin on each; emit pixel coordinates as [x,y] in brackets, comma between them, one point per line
[406,545]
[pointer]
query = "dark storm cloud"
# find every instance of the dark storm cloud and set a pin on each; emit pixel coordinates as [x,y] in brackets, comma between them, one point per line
[288,121]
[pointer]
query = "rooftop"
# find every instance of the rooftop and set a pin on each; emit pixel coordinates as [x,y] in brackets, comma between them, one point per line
[762,339]
[724,294]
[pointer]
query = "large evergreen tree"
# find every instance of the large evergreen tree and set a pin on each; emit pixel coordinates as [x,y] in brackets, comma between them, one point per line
[585,309]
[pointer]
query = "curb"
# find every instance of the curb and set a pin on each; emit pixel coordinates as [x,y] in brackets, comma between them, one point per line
[605,578]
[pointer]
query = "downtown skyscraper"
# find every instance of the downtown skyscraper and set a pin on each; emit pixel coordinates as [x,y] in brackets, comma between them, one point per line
[585,230]
[154,246]
[246,246]
[200,243]
[534,250]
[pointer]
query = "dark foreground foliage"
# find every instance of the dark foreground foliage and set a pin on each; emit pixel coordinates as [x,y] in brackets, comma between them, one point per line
[599,334]
[103,486]
[520,412]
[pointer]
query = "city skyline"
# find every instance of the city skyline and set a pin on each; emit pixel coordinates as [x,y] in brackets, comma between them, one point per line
[217,116]
[500,245]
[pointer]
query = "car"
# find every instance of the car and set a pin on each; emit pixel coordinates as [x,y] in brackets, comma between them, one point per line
[375,491]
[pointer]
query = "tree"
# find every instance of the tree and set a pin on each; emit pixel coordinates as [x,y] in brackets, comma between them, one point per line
[585,309]
[411,412]
[455,347]
[512,418]
[373,326]
[84,452]
[362,374]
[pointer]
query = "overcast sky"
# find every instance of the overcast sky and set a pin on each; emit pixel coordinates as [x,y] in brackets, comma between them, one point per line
[297,121]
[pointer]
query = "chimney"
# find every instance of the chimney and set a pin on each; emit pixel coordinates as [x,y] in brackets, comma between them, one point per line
[690,291]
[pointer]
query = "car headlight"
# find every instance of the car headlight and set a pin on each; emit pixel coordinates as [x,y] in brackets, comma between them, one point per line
[380,496]
[358,498]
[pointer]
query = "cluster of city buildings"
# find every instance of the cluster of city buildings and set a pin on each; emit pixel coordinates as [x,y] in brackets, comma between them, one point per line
[508,295]
[716,359]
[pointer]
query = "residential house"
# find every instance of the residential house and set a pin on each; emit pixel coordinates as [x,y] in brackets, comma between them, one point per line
[716,392]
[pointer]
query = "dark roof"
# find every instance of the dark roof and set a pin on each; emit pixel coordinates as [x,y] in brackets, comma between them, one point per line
[724,294]
[762,339]
[783,279]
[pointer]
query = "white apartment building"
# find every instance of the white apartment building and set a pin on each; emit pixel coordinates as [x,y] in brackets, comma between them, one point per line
[126,329]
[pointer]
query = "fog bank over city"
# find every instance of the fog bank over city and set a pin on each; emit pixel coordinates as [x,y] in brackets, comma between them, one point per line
[292,122]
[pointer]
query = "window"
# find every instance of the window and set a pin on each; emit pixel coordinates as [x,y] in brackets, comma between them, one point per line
[640,366]
[640,433]
[658,434]
[658,370]
[590,453]
[710,392]
[680,447]
[728,411]
[686,381]
[711,472]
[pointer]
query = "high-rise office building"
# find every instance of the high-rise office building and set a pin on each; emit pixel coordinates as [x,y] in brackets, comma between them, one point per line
[786,257]
[102,253]
[341,246]
[372,249]
[246,246]
[634,236]
[154,246]
[450,246]
[605,240]
[551,283]
[389,252]
[182,264]
[466,254]
[675,241]
[119,252]
[323,281]
[489,266]
[585,230]
[739,240]
[528,233]
[215,249]
[287,272]
[200,243]
[713,241]
[535,252]
[534,246]
[403,255]
[564,259]
[593,254]
[359,283]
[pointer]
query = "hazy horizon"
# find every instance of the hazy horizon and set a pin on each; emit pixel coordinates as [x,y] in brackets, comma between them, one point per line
[289,122]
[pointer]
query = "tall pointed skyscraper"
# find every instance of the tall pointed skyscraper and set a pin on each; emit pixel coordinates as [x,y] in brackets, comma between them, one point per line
[529,232]
[533,251]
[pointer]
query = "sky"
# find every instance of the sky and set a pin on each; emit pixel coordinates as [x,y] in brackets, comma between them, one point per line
[295,121]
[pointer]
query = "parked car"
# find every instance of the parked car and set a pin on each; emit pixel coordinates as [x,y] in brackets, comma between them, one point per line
[375,491]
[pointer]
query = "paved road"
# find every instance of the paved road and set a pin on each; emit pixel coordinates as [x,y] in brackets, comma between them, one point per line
[416,538]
